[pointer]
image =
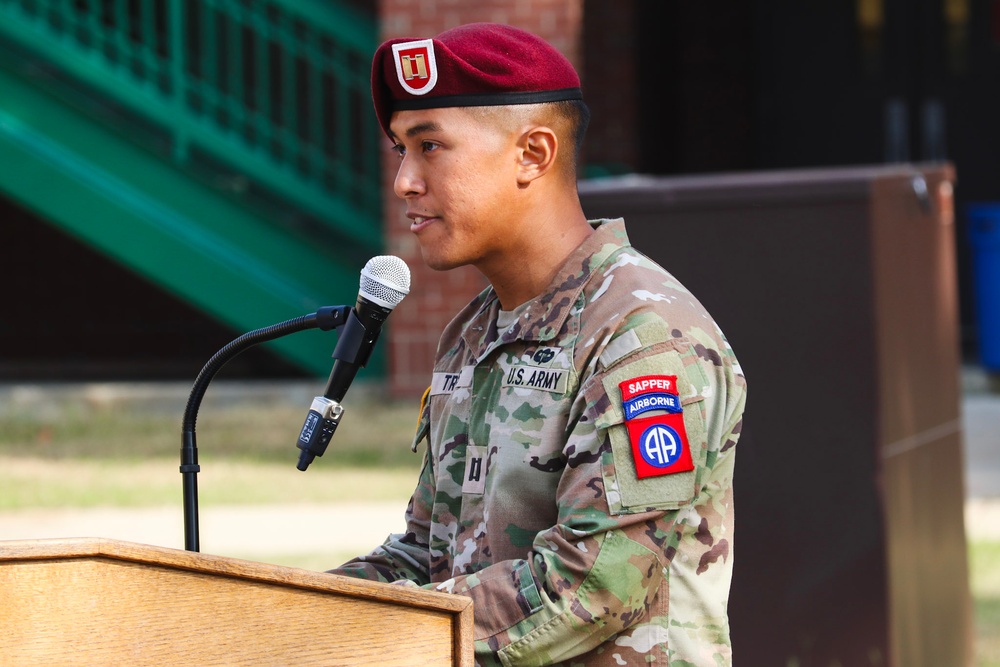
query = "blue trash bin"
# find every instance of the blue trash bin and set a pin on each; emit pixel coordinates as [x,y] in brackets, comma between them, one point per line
[984,235]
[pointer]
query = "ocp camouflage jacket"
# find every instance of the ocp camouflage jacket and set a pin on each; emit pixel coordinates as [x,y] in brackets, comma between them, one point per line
[577,483]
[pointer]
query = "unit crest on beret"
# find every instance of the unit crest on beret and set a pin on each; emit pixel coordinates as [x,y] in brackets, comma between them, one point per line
[477,64]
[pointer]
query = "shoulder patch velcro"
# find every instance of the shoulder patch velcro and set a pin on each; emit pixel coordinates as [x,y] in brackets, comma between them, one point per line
[659,442]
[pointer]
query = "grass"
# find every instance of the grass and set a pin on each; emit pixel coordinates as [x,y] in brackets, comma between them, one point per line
[984,579]
[86,455]
[41,483]
[371,433]
[103,452]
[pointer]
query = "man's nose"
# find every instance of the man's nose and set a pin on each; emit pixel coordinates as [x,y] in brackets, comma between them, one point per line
[408,182]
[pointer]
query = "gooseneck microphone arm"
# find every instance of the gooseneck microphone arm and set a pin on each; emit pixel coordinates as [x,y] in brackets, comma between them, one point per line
[325,319]
[384,281]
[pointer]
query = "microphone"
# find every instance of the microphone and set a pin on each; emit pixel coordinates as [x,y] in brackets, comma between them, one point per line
[385,280]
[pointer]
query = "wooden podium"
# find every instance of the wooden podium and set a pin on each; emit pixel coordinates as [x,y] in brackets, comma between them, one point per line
[107,602]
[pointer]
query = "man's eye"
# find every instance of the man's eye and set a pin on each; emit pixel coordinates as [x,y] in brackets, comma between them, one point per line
[399,150]
[428,146]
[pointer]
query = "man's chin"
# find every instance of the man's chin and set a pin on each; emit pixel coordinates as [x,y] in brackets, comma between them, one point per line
[437,262]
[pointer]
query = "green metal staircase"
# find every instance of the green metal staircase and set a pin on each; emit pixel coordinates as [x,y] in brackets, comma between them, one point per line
[224,149]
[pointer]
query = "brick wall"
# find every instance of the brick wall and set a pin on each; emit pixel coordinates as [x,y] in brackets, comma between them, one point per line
[412,331]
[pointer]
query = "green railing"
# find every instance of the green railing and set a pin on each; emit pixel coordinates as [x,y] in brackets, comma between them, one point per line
[275,93]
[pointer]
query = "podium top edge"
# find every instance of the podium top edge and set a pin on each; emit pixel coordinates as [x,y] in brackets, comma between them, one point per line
[83,548]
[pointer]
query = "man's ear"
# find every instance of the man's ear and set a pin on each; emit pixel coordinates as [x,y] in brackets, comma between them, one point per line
[538,147]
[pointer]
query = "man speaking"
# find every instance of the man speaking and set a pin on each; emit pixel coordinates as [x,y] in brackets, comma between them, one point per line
[580,426]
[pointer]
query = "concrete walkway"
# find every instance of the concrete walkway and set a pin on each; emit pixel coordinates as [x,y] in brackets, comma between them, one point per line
[981,437]
[981,446]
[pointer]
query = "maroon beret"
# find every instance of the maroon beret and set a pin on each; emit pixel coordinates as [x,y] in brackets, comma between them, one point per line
[477,64]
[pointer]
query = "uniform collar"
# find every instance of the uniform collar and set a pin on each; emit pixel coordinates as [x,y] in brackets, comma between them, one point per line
[547,313]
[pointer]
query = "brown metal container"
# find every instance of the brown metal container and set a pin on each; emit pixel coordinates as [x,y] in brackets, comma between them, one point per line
[837,289]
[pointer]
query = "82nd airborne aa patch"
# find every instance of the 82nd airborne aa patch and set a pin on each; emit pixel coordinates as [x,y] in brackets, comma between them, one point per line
[659,442]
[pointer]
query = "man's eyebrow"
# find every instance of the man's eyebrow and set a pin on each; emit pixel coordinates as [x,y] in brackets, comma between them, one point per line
[420,128]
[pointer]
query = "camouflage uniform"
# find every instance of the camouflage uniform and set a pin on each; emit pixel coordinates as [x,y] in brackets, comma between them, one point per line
[529,502]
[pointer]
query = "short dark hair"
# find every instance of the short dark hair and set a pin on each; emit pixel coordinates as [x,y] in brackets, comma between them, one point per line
[571,116]
[578,114]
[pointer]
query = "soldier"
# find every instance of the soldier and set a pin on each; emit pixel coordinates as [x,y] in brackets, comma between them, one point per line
[581,422]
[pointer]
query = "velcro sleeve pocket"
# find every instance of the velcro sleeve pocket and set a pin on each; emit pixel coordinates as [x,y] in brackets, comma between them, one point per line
[627,493]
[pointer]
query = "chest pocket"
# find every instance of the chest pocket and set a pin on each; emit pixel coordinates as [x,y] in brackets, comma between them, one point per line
[627,491]
[526,424]
[530,404]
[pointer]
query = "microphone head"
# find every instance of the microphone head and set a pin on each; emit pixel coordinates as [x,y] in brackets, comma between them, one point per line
[385,280]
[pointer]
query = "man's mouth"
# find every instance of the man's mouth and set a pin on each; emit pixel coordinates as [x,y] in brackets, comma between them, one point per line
[419,222]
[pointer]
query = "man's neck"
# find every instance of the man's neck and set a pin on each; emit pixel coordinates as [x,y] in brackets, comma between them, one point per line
[519,279]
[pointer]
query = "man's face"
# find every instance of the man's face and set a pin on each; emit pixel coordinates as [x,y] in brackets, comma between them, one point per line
[458,176]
